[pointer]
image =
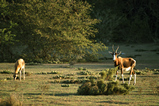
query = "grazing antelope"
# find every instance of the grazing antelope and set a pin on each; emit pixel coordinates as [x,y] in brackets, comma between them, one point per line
[19,67]
[123,64]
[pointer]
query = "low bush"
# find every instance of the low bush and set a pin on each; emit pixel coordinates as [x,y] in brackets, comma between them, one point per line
[101,88]
[62,77]
[6,72]
[13,100]
[85,73]
[52,72]
[108,73]
[28,73]
[72,81]
[65,85]
[10,78]
[81,68]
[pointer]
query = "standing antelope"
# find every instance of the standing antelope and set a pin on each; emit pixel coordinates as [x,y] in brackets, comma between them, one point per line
[19,67]
[123,64]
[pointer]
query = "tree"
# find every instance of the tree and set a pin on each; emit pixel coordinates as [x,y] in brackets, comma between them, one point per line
[7,41]
[126,20]
[54,28]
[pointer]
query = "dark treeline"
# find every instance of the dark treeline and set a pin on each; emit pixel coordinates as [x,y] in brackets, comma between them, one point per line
[68,30]
[134,21]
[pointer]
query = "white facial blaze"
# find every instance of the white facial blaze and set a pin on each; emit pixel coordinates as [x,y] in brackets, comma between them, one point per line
[23,67]
[114,58]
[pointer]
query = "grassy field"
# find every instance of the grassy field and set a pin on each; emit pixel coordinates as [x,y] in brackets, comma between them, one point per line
[42,87]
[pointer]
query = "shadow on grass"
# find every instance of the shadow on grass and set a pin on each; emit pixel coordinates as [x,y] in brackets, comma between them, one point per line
[32,94]
[50,94]
[148,76]
[114,102]
[65,94]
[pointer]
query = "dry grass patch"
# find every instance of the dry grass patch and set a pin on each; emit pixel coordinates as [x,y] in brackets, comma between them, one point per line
[12,100]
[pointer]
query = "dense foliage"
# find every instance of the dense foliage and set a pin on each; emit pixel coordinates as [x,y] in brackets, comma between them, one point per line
[49,30]
[127,20]
[101,88]
[68,30]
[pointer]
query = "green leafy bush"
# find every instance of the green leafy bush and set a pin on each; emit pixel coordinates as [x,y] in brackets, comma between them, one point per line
[84,89]
[108,73]
[101,88]
[52,72]
[65,85]
[85,73]
[62,77]
[81,68]
[10,78]
[6,72]
[12,100]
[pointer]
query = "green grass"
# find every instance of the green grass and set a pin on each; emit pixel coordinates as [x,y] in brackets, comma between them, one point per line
[37,89]
[43,89]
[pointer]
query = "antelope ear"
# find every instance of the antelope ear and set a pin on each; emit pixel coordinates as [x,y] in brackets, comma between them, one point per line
[119,53]
[110,52]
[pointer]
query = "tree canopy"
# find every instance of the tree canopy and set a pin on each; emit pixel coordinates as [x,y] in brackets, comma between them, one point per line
[50,29]
[66,30]
[128,21]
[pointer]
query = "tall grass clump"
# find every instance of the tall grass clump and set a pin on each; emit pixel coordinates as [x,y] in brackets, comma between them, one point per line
[44,88]
[12,100]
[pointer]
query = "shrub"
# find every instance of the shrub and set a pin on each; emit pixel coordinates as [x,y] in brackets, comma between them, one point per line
[6,72]
[13,100]
[108,73]
[28,73]
[72,81]
[81,68]
[52,72]
[94,90]
[100,88]
[65,85]
[10,78]
[85,73]
[103,74]
[62,77]
[84,89]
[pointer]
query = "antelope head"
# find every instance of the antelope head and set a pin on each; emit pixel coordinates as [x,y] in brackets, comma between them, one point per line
[115,53]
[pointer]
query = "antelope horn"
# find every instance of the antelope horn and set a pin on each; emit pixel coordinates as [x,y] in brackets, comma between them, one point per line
[117,49]
[113,48]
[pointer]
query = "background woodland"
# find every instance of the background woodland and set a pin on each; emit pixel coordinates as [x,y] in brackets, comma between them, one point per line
[54,31]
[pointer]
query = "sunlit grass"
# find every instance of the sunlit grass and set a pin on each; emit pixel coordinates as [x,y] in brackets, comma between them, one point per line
[39,89]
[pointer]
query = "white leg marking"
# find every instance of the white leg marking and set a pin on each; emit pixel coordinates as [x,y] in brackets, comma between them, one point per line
[23,73]
[134,78]
[130,78]
[122,77]
[116,77]
[20,72]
